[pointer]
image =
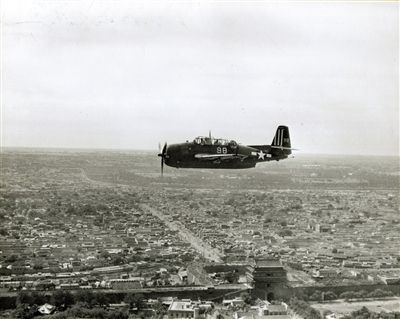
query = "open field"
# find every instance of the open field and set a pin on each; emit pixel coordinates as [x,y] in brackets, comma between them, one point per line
[344,308]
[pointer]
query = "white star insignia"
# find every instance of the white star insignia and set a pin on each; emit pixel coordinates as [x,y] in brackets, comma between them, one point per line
[261,155]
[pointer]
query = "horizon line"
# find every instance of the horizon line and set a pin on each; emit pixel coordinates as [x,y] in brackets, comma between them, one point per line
[82,149]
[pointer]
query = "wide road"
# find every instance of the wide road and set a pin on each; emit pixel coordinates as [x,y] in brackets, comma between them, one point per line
[203,248]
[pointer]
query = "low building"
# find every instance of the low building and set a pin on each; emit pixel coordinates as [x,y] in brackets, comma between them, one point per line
[236,302]
[183,309]
[273,310]
[390,280]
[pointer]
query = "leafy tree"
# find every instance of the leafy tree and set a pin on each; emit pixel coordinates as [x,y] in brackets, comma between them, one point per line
[360,294]
[130,299]
[285,232]
[30,298]
[38,266]
[12,258]
[38,298]
[24,298]
[117,314]
[60,315]
[135,300]
[159,309]
[97,312]
[88,210]
[304,309]
[25,311]
[379,293]
[317,296]
[363,313]
[104,254]
[62,298]
[329,295]
[142,315]
[347,295]
[71,210]
[86,296]
[118,260]
[194,205]
[101,299]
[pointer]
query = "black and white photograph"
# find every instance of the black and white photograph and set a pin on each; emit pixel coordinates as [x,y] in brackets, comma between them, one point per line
[199,159]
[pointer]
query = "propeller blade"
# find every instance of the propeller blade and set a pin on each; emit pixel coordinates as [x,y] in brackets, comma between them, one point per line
[161,151]
[162,155]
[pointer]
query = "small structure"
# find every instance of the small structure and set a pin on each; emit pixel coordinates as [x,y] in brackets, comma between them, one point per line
[237,302]
[46,309]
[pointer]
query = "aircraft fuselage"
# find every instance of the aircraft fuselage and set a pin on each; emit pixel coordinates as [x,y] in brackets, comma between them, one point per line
[186,155]
[208,152]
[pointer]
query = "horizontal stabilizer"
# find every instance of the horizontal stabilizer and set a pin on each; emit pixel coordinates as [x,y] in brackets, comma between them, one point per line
[285,148]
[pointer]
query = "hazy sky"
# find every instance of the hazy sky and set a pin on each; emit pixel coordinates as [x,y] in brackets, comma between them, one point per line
[128,74]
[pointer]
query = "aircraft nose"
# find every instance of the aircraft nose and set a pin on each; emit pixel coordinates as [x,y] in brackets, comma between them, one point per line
[171,153]
[171,150]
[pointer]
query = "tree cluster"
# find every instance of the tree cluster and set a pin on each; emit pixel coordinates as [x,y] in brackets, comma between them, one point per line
[83,304]
[377,293]
[82,310]
[364,313]
[321,296]
[303,309]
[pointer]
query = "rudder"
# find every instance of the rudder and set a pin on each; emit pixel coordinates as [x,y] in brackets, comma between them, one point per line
[282,139]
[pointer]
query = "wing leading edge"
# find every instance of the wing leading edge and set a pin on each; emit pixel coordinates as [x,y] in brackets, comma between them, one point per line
[212,157]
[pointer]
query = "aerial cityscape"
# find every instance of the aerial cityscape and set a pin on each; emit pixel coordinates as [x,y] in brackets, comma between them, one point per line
[89,232]
[274,192]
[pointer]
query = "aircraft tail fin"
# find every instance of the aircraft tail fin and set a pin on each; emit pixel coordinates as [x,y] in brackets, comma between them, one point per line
[282,139]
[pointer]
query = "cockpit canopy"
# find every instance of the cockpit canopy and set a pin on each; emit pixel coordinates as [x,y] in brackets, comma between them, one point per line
[202,140]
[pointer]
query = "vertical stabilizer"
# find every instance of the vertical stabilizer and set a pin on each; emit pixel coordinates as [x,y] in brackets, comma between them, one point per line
[282,139]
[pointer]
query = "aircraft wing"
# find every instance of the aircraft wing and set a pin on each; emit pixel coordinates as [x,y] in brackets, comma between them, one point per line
[212,157]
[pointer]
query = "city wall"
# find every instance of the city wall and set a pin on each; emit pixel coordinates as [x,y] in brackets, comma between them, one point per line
[241,269]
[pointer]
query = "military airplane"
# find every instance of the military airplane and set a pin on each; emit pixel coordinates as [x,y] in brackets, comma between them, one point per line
[209,152]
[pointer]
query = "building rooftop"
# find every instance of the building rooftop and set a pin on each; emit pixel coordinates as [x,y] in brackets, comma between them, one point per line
[267,262]
[181,306]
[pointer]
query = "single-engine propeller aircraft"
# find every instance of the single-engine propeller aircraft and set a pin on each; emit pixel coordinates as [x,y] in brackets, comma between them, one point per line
[209,152]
